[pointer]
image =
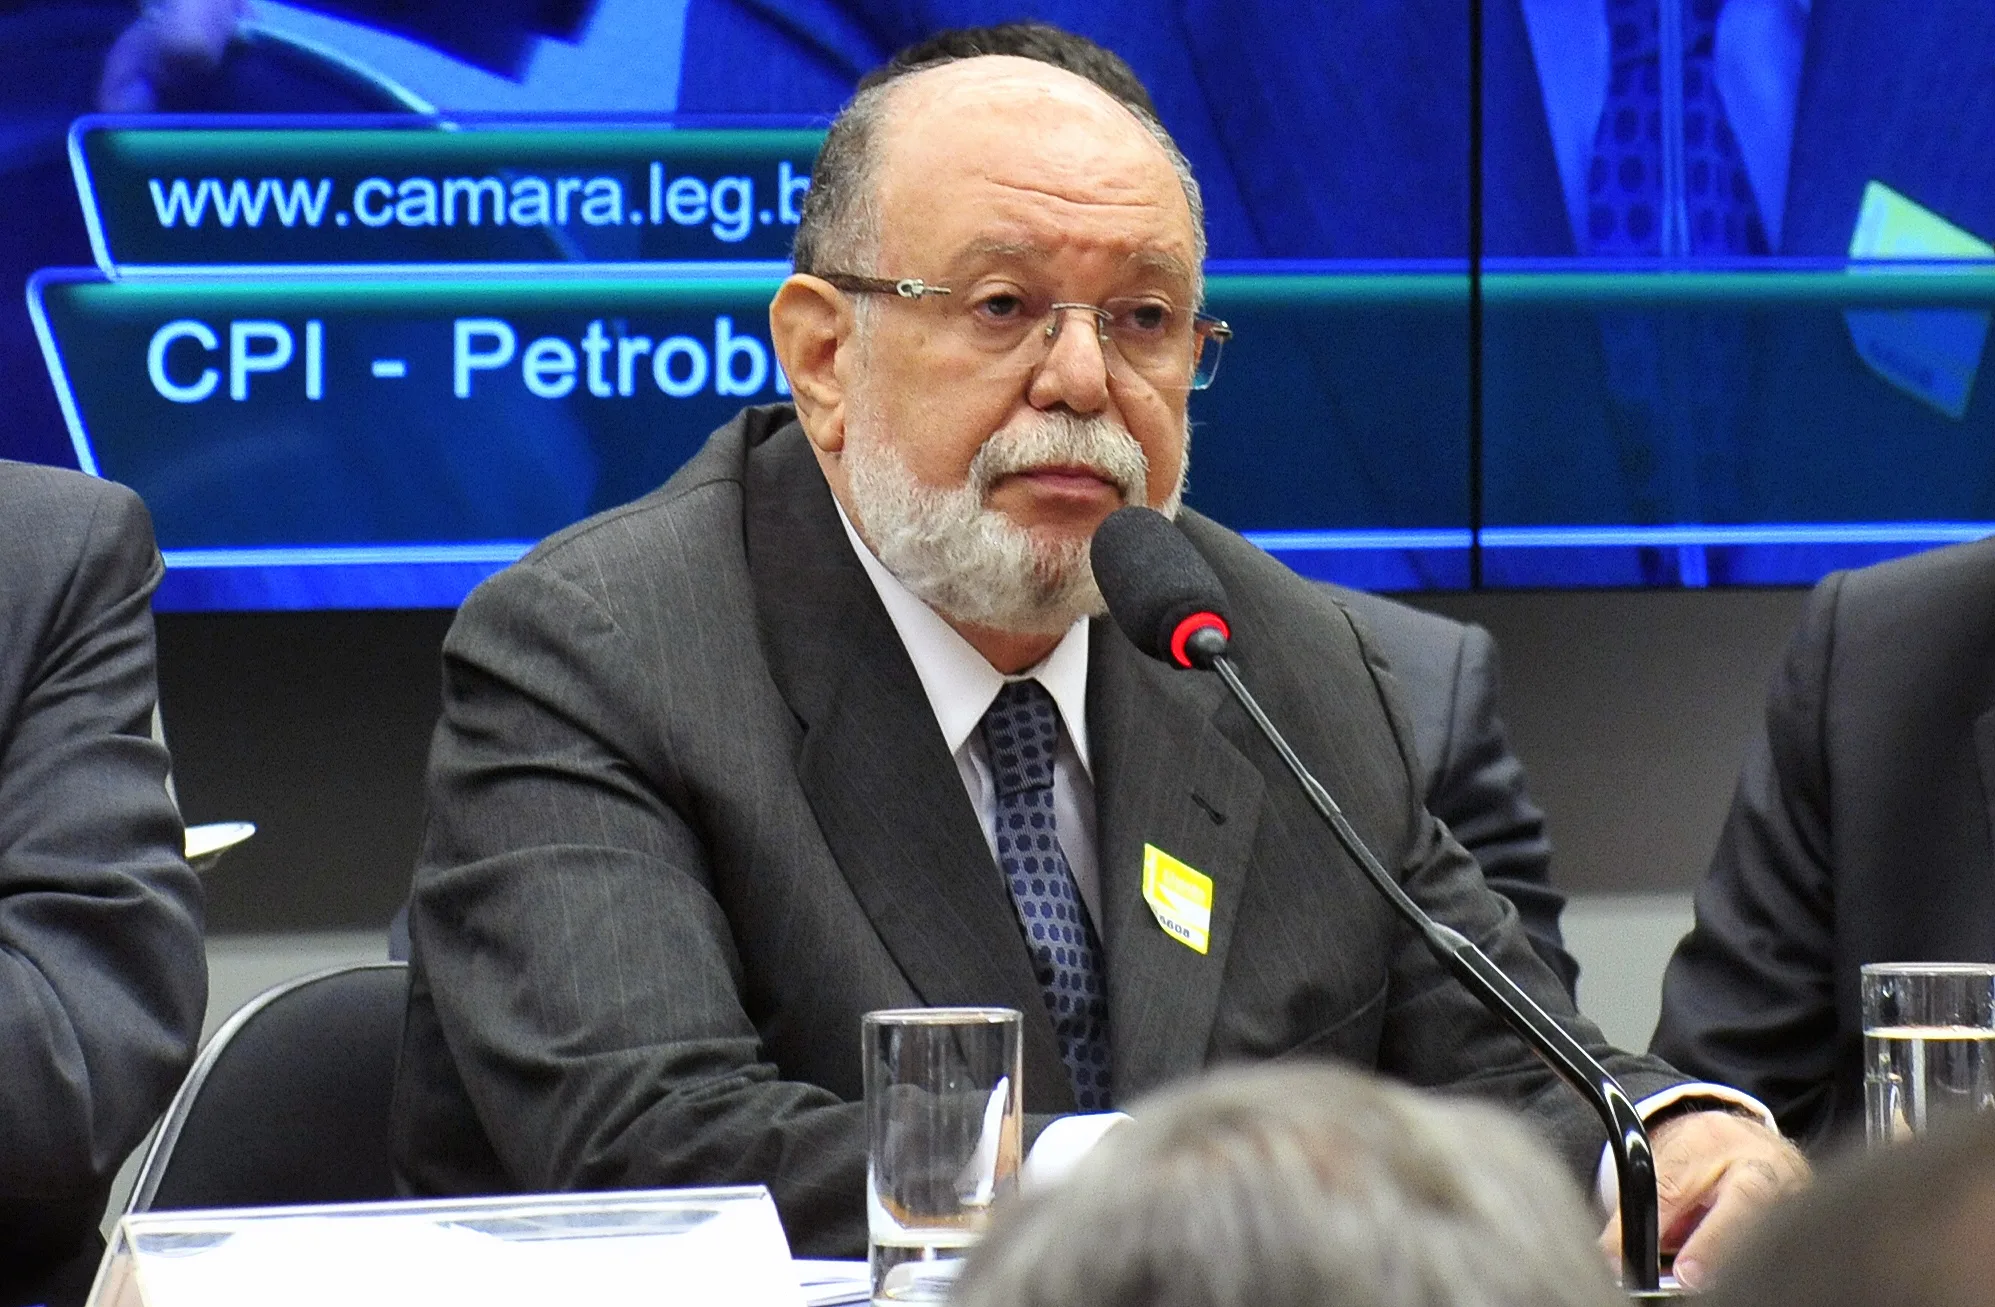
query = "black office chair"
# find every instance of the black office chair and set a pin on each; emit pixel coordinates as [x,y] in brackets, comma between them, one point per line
[288,1103]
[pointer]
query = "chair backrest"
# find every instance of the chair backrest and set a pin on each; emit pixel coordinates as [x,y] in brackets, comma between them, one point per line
[289,1102]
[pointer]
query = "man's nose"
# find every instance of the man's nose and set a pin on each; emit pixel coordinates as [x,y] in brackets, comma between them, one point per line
[1075,369]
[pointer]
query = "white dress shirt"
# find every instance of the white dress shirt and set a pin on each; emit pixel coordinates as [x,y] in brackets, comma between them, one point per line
[960,685]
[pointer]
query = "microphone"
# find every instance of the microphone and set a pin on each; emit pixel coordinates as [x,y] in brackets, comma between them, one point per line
[1166,598]
[1160,591]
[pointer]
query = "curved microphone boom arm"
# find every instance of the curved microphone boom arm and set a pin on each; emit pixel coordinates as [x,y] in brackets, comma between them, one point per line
[1168,601]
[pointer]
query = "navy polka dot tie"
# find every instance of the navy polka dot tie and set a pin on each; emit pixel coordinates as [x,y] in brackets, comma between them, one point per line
[1022,730]
[1624,182]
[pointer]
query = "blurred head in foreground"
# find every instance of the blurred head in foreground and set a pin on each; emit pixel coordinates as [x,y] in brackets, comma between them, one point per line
[1912,1225]
[1292,1186]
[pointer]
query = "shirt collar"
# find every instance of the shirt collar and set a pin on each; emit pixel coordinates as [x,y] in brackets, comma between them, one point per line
[959,683]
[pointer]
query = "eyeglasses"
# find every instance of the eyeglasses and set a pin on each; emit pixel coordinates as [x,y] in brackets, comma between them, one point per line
[1148,336]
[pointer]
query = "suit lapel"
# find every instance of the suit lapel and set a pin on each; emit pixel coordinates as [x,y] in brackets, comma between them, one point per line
[1165,775]
[873,765]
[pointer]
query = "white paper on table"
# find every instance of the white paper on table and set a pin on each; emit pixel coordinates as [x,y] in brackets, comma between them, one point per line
[526,1254]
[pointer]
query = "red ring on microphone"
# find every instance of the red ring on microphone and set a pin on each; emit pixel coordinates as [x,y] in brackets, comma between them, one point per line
[1191,626]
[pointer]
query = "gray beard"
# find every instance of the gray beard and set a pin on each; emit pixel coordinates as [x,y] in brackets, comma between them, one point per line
[973,564]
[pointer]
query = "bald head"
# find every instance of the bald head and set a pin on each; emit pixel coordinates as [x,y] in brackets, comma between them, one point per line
[1001,84]
[1000,128]
[1017,121]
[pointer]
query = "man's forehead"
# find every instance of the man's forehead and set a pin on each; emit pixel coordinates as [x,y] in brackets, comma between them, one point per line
[1000,124]
[1000,250]
[998,81]
[1010,117]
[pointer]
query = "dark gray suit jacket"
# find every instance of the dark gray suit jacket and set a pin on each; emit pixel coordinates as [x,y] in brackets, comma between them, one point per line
[1469,777]
[691,815]
[1860,832]
[102,976]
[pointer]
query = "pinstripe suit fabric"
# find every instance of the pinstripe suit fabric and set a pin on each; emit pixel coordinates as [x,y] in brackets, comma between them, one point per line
[690,816]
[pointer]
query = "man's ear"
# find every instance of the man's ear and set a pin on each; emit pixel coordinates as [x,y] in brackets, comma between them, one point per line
[809,322]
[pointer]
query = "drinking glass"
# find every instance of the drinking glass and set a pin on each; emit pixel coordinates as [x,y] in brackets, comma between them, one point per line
[1928,1044]
[944,1135]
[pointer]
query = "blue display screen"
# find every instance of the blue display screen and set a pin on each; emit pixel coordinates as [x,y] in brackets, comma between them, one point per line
[367,298]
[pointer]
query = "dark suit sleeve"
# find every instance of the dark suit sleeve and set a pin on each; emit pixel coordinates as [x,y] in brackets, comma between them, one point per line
[1748,999]
[102,978]
[1437,1034]
[1476,786]
[1434,1031]
[569,947]
[1470,777]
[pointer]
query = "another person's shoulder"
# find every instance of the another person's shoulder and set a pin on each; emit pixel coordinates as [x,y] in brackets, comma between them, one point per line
[1924,611]
[1396,630]
[38,499]
[1255,580]
[1383,614]
[1422,647]
[63,525]
[29,483]
[1938,580]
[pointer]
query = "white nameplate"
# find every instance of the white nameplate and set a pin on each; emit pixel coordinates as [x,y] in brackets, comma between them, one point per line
[683,1246]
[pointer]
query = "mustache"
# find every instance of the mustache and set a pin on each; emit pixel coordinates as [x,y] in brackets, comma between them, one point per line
[1069,440]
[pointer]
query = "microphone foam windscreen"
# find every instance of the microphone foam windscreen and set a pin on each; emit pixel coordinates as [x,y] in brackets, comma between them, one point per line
[1152,578]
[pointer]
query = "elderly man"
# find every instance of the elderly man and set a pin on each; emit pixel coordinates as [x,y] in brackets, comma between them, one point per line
[1470,778]
[824,725]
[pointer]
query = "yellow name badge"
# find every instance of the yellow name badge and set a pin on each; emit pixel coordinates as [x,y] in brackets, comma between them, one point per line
[1180,896]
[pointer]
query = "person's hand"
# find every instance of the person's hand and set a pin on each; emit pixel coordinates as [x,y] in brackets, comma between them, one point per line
[1716,1172]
